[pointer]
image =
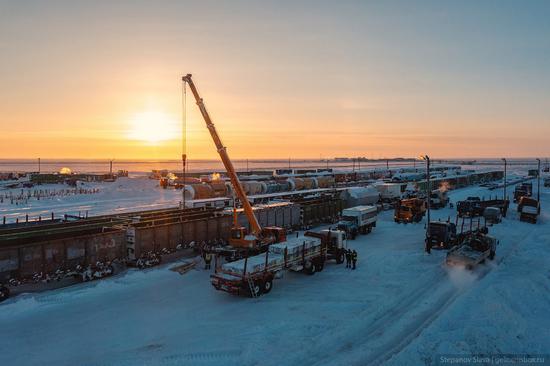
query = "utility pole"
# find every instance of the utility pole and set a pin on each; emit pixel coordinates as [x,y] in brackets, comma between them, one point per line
[504,193]
[359,163]
[538,181]
[38,165]
[428,193]
[247,166]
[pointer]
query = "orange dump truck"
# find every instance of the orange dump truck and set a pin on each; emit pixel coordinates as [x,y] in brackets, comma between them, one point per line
[410,210]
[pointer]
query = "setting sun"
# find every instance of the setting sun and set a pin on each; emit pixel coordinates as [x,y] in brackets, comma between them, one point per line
[152,127]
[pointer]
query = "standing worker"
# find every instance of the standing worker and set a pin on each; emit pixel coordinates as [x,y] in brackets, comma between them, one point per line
[348,258]
[207,260]
[354,258]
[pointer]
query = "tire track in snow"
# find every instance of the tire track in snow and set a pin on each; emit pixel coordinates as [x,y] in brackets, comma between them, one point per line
[441,305]
[399,326]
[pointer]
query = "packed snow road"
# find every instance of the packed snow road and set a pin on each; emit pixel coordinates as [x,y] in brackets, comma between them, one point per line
[400,306]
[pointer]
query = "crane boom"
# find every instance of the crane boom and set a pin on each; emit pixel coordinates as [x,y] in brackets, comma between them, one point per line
[256,230]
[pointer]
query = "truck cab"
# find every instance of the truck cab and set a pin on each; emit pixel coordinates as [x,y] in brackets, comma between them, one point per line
[441,235]
[337,244]
[492,215]
[523,190]
[358,220]
[438,199]
[409,210]
[529,209]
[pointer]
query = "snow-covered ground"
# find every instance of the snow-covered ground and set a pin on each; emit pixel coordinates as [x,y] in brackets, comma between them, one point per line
[124,195]
[400,307]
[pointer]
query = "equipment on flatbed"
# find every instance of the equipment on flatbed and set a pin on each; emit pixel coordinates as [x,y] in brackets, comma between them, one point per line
[474,249]
[529,209]
[259,238]
[358,220]
[410,210]
[253,276]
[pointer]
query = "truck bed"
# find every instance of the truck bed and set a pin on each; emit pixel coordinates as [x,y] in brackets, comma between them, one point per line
[465,256]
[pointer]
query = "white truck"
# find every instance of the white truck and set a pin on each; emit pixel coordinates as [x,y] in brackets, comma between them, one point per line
[253,276]
[439,198]
[390,192]
[358,220]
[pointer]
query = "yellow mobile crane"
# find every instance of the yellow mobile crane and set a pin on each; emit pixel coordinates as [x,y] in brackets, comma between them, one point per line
[259,238]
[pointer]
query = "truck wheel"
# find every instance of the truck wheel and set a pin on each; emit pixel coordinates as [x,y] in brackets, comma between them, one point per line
[369,229]
[340,257]
[320,266]
[492,255]
[311,268]
[4,293]
[256,290]
[267,285]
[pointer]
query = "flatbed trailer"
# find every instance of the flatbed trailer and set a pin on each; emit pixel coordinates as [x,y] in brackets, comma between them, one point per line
[253,276]
[474,208]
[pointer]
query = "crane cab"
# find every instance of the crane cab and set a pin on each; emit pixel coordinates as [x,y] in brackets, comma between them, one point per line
[240,238]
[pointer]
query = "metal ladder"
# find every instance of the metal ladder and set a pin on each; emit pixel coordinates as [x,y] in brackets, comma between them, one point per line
[251,287]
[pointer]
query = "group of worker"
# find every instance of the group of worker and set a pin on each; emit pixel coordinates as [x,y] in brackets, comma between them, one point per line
[351,258]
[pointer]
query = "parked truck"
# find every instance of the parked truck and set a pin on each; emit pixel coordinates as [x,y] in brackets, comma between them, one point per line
[358,220]
[441,235]
[529,209]
[409,210]
[473,250]
[474,206]
[523,190]
[492,215]
[439,199]
[390,192]
[254,276]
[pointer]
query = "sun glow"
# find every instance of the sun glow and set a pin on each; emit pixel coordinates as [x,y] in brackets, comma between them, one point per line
[152,127]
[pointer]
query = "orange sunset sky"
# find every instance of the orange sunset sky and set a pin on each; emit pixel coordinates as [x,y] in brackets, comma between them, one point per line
[281,79]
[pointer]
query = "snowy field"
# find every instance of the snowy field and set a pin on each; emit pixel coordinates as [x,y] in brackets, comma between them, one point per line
[400,307]
[124,195]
